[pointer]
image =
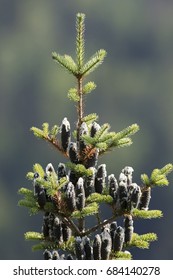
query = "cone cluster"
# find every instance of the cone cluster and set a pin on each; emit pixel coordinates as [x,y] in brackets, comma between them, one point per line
[110,241]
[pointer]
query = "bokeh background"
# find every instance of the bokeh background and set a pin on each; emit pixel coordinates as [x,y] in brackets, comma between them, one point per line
[134,85]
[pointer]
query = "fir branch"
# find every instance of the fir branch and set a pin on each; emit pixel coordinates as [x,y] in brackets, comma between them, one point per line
[53,132]
[158,177]
[33,208]
[90,118]
[73,94]
[79,169]
[90,209]
[37,168]
[150,214]
[99,198]
[66,61]
[49,136]
[100,225]
[80,42]
[120,255]
[94,62]
[25,192]
[31,235]
[142,241]
[90,86]
[28,201]
[105,141]
[45,245]
[38,132]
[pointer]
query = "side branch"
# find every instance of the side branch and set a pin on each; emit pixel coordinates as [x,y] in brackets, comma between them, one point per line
[56,144]
[100,225]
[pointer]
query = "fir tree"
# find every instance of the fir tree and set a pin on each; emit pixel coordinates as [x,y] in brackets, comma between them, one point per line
[74,190]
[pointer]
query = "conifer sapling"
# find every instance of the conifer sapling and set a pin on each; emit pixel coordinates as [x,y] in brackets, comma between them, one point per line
[68,193]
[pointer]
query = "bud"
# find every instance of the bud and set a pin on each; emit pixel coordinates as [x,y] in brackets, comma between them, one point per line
[118,239]
[97,247]
[128,225]
[73,153]
[65,134]
[80,194]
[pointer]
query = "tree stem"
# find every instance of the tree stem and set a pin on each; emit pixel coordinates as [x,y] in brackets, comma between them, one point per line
[80,105]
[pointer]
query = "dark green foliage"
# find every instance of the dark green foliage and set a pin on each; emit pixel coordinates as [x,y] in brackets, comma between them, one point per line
[71,191]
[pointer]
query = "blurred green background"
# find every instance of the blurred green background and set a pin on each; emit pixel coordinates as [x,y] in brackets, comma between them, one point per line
[134,85]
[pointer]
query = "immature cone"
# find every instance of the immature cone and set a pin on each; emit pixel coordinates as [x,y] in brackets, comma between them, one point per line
[100,178]
[113,228]
[49,169]
[80,194]
[70,197]
[66,232]
[128,225]
[128,171]
[113,187]
[97,247]
[55,255]
[47,255]
[135,195]
[106,245]
[89,182]
[94,128]
[61,170]
[88,248]
[57,230]
[118,239]
[73,153]
[83,131]
[122,191]
[39,192]
[45,227]
[65,134]
[145,199]
[79,248]
[69,257]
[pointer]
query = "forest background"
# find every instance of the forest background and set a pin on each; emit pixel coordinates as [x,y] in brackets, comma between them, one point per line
[134,85]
